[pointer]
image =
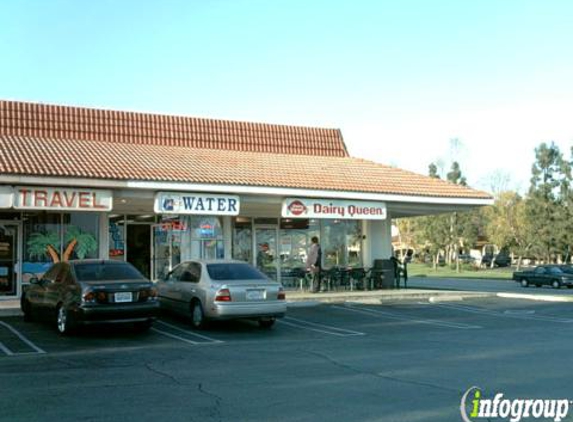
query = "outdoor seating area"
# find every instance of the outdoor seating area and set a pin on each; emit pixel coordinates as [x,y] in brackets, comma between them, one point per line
[347,279]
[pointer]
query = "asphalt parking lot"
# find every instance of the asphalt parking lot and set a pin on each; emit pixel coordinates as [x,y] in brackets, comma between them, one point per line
[339,362]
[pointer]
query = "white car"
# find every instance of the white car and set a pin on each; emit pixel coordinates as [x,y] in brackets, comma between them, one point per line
[222,289]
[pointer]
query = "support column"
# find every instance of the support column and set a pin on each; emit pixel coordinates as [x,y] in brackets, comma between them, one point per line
[103,252]
[378,242]
[228,237]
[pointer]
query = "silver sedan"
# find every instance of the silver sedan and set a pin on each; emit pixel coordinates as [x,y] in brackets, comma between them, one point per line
[222,289]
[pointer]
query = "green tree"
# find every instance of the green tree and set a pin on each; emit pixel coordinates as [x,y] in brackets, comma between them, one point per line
[507,225]
[545,211]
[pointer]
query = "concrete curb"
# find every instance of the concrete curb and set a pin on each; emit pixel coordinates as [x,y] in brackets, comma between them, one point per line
[10,312]
[377,299]
[539,298]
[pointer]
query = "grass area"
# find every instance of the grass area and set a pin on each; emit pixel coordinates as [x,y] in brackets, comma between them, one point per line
[424,270]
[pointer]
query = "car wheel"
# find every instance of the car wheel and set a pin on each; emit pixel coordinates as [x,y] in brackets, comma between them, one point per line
[267,322]
[524,283]
[197,315]
[64,321]
[556,284]
[26,307]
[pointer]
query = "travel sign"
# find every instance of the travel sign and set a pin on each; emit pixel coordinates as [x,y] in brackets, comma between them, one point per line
[327,208]
[62,199]
[196,204]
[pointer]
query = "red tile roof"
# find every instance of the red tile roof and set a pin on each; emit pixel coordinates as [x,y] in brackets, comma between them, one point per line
[23,155]
[121,127]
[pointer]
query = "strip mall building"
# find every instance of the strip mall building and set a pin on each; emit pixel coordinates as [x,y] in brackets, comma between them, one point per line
[155,190]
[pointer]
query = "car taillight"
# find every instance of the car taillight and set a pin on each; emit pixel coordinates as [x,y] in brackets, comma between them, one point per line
[281,295]
[223,295]
[89,297]
[101,297]
[150,294]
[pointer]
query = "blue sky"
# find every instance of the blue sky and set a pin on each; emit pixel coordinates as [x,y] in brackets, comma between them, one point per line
[399,78]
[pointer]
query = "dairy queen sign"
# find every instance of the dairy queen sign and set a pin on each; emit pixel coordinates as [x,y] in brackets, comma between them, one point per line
[325,208]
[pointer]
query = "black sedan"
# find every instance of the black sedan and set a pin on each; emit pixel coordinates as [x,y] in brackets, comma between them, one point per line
[552,275]
[91,291]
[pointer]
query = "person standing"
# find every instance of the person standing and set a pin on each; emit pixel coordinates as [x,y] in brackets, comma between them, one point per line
[313,263]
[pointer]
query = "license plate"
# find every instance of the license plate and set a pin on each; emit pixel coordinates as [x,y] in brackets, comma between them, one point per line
[255,294]
[122,297]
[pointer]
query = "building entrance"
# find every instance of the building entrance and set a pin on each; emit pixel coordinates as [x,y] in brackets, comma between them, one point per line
[138,251]
[9,259]
[266,244]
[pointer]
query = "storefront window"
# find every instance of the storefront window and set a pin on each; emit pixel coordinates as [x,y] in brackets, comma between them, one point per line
[341,243]
[333,243]
[243,239]
[49,238]
[80,236]
[117,237]
[354,243]
[42,242]
[200,237]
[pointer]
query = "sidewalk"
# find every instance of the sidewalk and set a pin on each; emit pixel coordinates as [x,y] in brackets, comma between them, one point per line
[10,307]
[382,296]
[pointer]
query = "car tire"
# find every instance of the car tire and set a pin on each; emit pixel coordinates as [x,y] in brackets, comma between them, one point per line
[197,315]
[26,307]
[267,322]
[64,323]
[556,284]
[524,282]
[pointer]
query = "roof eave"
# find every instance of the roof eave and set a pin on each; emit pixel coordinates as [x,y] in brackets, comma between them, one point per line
[438,203]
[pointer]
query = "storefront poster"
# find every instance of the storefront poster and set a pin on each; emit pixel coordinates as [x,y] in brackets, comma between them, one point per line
[196,204]
[333,209]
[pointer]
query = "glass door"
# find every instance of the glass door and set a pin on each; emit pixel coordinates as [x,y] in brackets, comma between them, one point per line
[162,251]
[266,250]
[166,249]
[9,259]
[138,251]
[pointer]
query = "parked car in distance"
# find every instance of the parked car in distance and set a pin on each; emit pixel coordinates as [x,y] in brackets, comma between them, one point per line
[466,258]
[499,260]
[89,292]
[552,275]
[222,289]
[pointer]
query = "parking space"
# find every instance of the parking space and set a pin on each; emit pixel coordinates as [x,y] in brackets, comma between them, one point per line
[382,358]
[302,324]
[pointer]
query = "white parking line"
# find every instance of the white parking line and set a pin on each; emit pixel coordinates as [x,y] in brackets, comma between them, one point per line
[498,314]
[186,332]
[22,338]
[319,328]
[407,318]
[6,350]
[163,333]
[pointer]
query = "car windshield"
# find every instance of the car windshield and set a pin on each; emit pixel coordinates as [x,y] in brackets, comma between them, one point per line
[102,271]
[236,271]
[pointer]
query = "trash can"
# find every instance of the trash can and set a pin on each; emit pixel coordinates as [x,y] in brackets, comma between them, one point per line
[386,267]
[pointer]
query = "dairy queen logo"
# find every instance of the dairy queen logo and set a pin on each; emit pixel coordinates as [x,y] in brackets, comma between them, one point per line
[297,208]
